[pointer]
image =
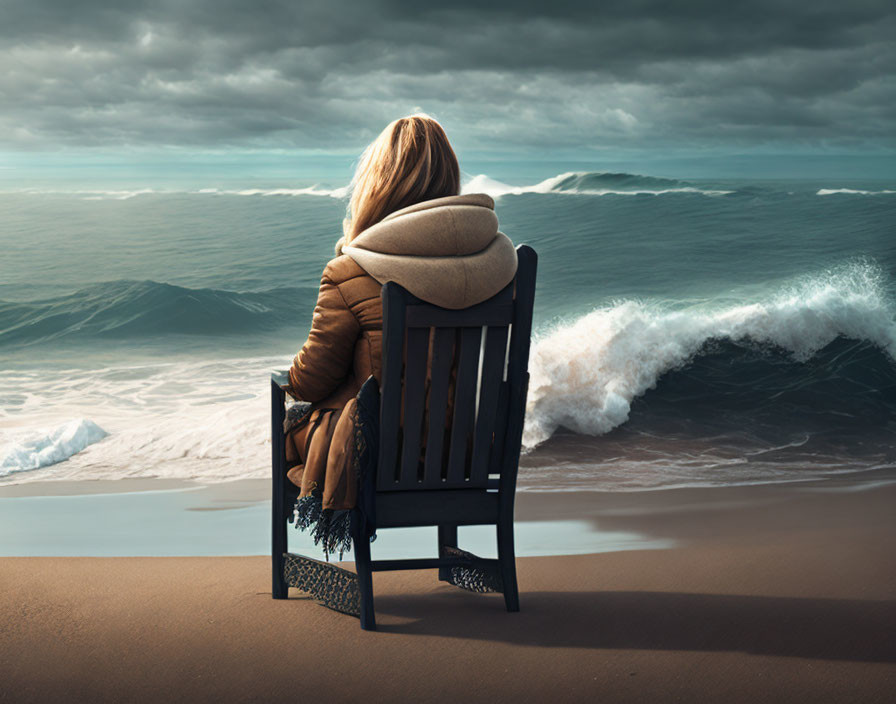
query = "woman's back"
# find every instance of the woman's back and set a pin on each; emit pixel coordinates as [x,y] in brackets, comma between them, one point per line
[447,251]
[407,223]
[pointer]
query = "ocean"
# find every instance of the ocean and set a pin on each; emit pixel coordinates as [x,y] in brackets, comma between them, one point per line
[687,332]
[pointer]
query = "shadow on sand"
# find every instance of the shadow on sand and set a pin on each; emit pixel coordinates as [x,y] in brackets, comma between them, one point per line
[826,629]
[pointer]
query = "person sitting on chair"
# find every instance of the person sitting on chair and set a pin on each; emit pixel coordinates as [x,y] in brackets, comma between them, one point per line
[408,223]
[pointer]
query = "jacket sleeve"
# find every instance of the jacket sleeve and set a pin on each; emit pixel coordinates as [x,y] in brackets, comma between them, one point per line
[326,358]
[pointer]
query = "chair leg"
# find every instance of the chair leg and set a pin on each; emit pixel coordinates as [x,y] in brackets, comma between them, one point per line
[365,575]
[279,544]
[279,588]
[507,560]
[447,538]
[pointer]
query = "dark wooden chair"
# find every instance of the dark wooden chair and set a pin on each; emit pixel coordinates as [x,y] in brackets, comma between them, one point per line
[469,468]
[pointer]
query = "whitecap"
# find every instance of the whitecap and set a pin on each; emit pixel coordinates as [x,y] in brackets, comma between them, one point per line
[309,191]
[586,373]
[41,449]
[850,191]
[482,183]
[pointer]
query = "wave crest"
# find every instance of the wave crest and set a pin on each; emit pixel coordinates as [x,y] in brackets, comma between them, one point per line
[589,183]
[146,308]
[594,183]
[585,375]
[115,194]
[315,190]
[850,191]
[43,449]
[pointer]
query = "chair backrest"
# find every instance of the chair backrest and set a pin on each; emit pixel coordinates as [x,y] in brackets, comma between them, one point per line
[483,352]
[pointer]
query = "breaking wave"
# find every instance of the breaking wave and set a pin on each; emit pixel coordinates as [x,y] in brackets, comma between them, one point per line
[850,191]
[205,419]
[594,183]
[586,374]
[590,183]
[574,183]
[37,450]
[315,190]
[115,194]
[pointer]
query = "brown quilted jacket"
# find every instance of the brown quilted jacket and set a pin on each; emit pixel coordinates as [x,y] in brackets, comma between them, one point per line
[447,251]
[344,345]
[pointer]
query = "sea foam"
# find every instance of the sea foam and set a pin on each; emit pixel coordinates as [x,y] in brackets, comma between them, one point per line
[583,183]
[203,420]
[586,373]
[588,183]
[315,190]
[851,191]
[36,450]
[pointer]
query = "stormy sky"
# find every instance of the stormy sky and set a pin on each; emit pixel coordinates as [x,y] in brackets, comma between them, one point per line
[517,77]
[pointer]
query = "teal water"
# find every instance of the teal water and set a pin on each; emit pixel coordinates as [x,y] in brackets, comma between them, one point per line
[180,522]
[687,332]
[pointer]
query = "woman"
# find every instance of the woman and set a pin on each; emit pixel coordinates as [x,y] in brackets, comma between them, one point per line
[406,223]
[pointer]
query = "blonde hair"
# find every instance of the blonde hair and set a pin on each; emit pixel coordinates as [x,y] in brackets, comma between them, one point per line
[409,162]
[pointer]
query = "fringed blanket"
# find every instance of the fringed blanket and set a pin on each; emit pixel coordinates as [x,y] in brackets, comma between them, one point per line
[327,508]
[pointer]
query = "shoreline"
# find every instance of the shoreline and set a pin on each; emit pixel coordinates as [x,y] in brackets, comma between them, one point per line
[258,489]
[152,517]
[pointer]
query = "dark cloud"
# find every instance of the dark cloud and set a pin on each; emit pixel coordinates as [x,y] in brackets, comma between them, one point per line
[499,75]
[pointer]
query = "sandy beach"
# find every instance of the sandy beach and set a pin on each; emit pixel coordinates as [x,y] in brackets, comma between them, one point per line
[771,593]
[635,259]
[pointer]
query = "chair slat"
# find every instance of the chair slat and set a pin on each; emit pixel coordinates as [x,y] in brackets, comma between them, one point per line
[390,395]
[490,383]
[417,353]
[464,402]
[494,465]
[517,368]
[501,415]
[440,376]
